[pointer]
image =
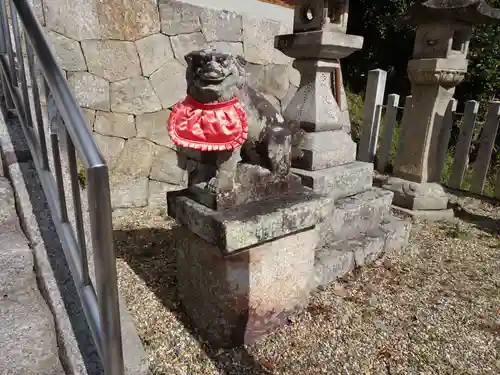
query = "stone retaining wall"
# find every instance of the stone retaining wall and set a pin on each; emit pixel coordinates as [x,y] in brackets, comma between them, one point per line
[124,62]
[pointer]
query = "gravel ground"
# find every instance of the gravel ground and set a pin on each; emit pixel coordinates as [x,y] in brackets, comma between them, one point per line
[435,309]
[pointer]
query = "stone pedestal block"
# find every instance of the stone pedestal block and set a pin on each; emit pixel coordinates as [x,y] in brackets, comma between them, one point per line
[245,270]
[238,299]
[326,149]
[250,224]
[339,182]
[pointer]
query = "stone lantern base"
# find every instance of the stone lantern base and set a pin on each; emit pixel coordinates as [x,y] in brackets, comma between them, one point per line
[427,200]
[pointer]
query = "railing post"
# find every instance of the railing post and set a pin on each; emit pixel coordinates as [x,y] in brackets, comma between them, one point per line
[463,146]
[374,99]
[486,144]
[391,113]
[105,269]
[444,136]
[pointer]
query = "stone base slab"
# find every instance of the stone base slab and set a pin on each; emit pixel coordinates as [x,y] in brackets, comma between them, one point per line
[431,215]
[326,149]
[416,196]
[251,224]
[336,259]
[356,214]
[339,182]
[236,300]
[252,184]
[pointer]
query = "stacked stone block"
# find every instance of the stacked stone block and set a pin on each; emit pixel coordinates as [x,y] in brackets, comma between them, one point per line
[361,227]
[124,61]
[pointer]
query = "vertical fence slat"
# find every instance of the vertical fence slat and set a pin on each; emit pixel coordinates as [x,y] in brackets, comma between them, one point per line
[463,146]
[444,137]
[8,42]
[38,110]
[486,144]
[20,60]
[404,124]
[386,141]
[374,99]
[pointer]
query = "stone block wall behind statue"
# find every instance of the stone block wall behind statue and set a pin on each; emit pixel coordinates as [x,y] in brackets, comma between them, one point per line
[124,60]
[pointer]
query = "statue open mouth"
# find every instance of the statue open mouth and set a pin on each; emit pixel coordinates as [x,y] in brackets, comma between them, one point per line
[213,77]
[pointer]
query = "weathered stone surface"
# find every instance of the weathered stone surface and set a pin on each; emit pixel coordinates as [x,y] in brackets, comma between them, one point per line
[28,327]
[186,43]
[415,196]
[153,127]
[111,148]
[326,149]
[234,48]
[272,79]
[115,124]
[135,96]
[90,91]
[158,193]
[129,191]
[252,224]
[238,300]
[154,51]
[89,117]
[294,77]
[67,51]
[258,41]
[165,167]
[331,264]
[288,97]
[221,25]
[356,214]
[136,158]
[7,204]
[339,182]
[110,19]
[336,258]
[113,60]
[16,269]
[397,234]
[179,18]
[169,83]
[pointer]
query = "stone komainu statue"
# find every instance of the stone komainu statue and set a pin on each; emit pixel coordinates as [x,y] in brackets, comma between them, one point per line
[226,119]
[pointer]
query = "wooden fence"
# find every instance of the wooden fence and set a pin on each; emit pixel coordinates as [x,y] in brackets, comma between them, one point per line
[378,141]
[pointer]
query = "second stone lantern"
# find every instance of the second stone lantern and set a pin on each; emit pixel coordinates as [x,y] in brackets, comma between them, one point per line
[439,64]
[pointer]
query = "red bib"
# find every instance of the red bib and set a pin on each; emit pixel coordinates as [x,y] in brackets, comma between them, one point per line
[208,127]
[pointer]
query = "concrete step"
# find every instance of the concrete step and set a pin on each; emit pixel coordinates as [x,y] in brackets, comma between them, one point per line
[355,214]
[27,333]
[335,259]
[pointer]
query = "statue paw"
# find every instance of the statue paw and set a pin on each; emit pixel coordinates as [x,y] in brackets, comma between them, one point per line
[219,185]
[213,185]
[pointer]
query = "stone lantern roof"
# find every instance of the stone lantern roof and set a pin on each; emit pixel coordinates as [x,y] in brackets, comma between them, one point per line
[467,11]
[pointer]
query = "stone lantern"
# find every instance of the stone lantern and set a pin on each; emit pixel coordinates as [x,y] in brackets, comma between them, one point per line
[439,64]
[318,42]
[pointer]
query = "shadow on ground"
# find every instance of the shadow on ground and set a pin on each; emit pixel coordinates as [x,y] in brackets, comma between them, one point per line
[484,222]
[151,254]
[49,242]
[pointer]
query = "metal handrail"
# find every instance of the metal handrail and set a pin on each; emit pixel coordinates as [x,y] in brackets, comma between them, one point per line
[101,308]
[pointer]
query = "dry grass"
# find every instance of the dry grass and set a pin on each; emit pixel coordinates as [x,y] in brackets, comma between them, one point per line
[435,309]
